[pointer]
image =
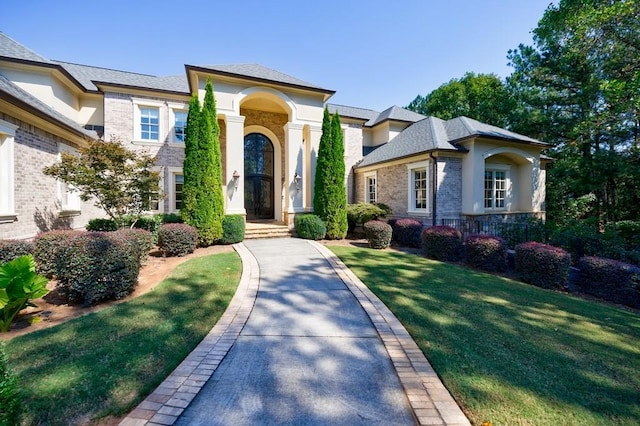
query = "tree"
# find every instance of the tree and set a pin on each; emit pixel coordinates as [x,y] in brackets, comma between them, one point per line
[120,181]
[578,89]
[204,208]
[483,97]
[330,196]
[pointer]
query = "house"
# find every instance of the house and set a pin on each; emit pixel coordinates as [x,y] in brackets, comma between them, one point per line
[270,128]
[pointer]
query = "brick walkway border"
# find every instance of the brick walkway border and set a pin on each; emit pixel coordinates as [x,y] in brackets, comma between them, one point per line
[432,404]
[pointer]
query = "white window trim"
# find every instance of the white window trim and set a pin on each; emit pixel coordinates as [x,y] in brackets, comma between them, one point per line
[68,197]
[368,176]
[489,167]
[171,186]
[173,108]
[161,192]
[138,104]
[411,186]
[7,172]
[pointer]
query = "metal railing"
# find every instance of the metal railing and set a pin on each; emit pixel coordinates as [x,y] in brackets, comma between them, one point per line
[513,232]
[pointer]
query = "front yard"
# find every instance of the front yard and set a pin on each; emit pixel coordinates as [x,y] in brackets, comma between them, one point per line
[511,353]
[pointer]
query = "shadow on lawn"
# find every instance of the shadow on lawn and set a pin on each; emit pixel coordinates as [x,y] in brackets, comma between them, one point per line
[491,338]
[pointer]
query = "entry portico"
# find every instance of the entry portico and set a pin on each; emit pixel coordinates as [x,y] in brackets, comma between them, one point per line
[270,128]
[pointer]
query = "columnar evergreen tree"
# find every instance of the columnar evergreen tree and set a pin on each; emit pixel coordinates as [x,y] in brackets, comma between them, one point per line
[330,197]
[203,202]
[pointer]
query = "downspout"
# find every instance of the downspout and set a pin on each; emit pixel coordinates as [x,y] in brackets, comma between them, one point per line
[435,189]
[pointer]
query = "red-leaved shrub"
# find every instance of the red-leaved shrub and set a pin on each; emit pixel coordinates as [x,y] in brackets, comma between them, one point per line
[542,265]
[13,249]
[443,243]
[177,239]
[486,252]
[46,248]
[407,232]
[610,280]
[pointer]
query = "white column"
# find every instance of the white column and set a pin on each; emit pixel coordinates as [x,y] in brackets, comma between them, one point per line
[235,163]
[315,132]
[294,160]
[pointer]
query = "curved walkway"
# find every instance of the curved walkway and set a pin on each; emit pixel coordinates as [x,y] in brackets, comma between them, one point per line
[303,341]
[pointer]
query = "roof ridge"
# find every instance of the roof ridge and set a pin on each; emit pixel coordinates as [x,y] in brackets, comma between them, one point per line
[349,106]
[45,59]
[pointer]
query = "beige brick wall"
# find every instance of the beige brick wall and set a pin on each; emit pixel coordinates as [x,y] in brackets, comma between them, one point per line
[353,140]
[36,195]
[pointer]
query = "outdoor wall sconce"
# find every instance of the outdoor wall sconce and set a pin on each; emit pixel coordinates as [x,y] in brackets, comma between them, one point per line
[296,179]
[236,178]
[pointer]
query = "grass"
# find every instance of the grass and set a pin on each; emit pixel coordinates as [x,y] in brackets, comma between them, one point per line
[105,363]
[508,352]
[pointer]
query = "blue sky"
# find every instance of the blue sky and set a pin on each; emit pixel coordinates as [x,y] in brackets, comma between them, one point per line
[374,54]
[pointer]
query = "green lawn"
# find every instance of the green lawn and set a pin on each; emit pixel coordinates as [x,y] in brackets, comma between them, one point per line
[511,353]
[105,363]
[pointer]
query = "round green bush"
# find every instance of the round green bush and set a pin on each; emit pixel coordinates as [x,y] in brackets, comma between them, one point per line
[486,252]
[233,228]
[361,213]
[407,232]
[170,217]
[310,227]
[378,234]
[177,239]
[443,243]
[102,225]
[543,265]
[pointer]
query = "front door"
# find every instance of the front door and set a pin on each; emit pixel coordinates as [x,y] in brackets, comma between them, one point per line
[258,177]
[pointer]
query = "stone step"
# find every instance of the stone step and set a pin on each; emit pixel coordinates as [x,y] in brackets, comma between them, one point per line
[267,230]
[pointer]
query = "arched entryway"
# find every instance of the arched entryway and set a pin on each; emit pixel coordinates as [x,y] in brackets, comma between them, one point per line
[258,177]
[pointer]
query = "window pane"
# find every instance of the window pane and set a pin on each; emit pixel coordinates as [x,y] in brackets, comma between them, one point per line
[180,124]
[178,181]
[420,185]
[149,123]
[371,190]
[501,186]
[488,189]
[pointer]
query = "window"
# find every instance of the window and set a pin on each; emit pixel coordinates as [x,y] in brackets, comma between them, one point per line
[418,187]
[371,188]
[179,125]
[154,199]
[149,124]
[178,182]
[7,172]
[495,189]
[68,196]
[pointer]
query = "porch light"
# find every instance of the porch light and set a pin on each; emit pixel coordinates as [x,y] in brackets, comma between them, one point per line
[236,178]
[296,179]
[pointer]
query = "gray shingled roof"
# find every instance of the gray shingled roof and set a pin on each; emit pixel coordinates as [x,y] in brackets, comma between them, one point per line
[88,76]
[7,87]
[353,112]
[9,48]
[397,114]
[260,72]
[434,134]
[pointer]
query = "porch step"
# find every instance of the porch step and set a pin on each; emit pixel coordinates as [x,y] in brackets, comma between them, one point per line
[256,230]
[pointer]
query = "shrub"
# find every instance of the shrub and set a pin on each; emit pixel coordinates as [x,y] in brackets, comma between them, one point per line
[10,405]
[378,234]
[310,227]
[486,252]
[443,243]
[177,239]
[542,265]
[19,284]
[143,239]
[102,225]
[46,248]
[148,223]
[170,218]
[610,280]
[359,214]
[233,227]
[12,249]
[95,266]
[407,232]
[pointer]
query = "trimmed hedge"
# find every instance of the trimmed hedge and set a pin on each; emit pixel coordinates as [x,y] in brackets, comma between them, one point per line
[486,252]
[443,243]
[378,233]
[101,225]
[407,232]
[361,213]
[148,223]
[310,227]
[46,248]
[543,265]
[13,249]
[233,228]
[170,218]
[177,239]
[143,238]
[92,267]
[610,280]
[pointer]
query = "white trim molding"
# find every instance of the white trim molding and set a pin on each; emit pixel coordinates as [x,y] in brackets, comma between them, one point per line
[7,172]
[411,189]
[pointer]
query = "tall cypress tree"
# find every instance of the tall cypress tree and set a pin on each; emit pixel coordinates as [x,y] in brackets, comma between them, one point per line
[337,215]
[322,183]
[191,168]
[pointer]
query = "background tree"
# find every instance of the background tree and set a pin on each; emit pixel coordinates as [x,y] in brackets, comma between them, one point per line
[578,89]
[203,202]
[330,197]
[483,97]
[120,181]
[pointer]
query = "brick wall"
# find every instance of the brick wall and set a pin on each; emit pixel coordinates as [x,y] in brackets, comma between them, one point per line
[449,196]
[352,155]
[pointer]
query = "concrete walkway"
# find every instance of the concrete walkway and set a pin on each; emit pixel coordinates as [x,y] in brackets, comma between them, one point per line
[303,342]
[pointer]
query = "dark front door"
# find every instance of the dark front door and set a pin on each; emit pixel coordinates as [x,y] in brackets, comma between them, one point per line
[258,176]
